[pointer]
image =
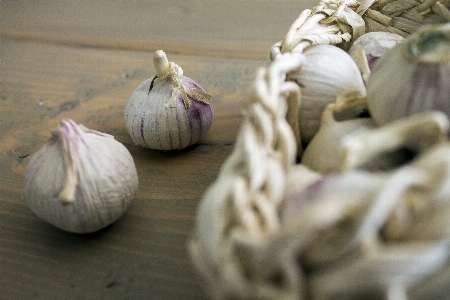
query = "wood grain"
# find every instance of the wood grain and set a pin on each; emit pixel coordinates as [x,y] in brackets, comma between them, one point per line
[145,251]
[82,60]
[234,28]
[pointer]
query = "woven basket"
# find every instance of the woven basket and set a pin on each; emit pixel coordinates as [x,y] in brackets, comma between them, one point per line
[370,233]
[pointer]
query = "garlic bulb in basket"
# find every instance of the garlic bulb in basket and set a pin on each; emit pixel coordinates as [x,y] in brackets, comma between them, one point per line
[327,72]
[169,111]
[412,77]
[80,180]
[341,120]
[374,44]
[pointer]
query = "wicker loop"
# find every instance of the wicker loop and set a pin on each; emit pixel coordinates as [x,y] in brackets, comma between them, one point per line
[252,184]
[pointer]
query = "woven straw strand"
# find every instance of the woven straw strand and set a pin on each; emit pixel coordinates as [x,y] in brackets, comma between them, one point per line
[251,184]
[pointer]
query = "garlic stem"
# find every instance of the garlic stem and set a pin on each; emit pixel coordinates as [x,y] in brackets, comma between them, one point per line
[161,63]
[432,46]
[67,194]
[363,64]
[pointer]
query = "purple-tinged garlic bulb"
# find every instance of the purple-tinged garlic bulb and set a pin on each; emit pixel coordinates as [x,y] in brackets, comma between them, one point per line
[169,111]
[327,72]
[80,180]
[413,77]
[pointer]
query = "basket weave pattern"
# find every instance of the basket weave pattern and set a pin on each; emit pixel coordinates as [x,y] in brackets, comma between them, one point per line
[348,245]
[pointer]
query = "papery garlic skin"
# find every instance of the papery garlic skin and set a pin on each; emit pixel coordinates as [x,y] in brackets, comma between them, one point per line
[152,124]
[163,114]
[375,45]
[103,176]
[327,72]
[412,77]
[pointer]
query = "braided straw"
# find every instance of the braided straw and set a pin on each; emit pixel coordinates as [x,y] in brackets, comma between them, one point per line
[367,234]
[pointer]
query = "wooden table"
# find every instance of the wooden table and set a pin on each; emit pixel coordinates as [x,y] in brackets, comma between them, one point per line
[82,60]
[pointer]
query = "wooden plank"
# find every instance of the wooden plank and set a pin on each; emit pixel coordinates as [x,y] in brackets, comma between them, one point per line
[234,28]
[143,255]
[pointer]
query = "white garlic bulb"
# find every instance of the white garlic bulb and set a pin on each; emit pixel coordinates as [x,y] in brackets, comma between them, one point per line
[327,72]
[169,111]
[341,120]
[374,44]
[80,180]
[412,77]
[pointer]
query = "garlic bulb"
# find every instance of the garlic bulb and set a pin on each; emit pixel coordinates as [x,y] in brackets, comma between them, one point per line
[169,111]
[80,180]
[374,44]
[412,77]
[341,120]
[327,72]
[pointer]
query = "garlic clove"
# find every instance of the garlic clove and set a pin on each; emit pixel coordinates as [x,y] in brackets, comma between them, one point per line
[169,111]
[327,72]
[413,77]
[80,180]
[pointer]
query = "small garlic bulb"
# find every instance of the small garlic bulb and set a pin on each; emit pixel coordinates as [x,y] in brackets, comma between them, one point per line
[169,111]
[327,72]
[413,77]
[80,180]
[341,120]
[375,45]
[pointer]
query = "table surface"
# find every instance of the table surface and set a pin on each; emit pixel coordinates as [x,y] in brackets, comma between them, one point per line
[82,60]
